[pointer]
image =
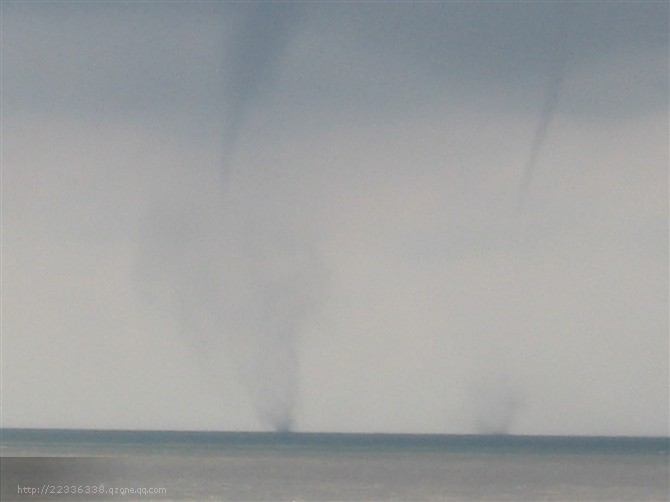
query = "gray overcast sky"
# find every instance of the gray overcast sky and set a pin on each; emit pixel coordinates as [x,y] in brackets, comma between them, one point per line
[257,216]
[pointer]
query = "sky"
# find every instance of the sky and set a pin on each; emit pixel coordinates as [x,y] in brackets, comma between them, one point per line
[346,216]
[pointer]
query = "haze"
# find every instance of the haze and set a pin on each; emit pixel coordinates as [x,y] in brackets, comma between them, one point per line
[381,217]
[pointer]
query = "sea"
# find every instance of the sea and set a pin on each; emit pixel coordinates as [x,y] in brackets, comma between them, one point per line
[119,465]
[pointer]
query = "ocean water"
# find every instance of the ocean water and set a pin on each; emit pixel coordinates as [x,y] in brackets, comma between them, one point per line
[239,466]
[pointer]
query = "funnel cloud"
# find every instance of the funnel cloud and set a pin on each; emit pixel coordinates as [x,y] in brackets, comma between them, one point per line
[265,337]
[253,61]
[555,75]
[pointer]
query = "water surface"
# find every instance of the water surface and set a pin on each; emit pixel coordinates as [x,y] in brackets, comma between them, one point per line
[317,466]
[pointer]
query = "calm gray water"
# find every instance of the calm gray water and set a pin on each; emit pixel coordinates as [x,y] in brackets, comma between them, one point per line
[137,465]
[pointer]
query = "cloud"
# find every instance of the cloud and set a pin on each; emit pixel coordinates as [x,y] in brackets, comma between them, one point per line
[368,207]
